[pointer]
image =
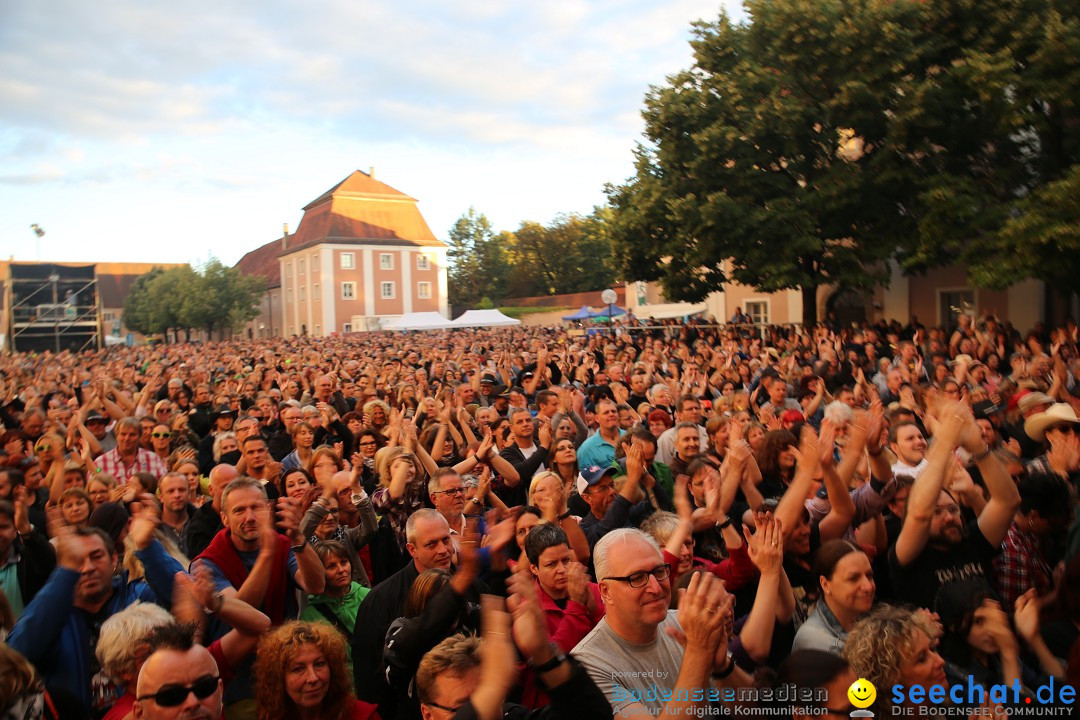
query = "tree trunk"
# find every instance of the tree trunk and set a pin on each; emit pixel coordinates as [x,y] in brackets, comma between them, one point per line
[809,305]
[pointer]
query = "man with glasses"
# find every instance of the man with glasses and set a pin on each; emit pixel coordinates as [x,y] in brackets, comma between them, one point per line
[448,496]
[633,654]
[281,443]
[935,547]
[180,679]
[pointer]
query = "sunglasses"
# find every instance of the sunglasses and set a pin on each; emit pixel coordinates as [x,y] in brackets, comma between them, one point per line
[161,435]
[41,448]
[173,695]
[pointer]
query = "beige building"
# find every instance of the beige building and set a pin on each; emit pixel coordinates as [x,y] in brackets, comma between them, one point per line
[361,254]
[935,298]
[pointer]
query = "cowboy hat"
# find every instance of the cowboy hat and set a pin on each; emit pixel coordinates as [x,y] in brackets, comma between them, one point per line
[1036,425]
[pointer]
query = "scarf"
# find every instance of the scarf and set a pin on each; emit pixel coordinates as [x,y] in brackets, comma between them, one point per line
[222,553]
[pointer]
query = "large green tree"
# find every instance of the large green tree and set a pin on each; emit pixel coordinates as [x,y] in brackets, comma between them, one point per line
[987,125]
[478,262]
[819,138]
[571,254]
[212,298]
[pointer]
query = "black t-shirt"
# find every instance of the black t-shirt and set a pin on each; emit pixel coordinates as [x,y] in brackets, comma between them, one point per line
[919,582]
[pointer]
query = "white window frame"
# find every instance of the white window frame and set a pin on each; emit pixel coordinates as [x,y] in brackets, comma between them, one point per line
[303,293]
[315,263]
[351,294]
[300,266]
[421,287]
[346,327]
[383,287]
[348,261]
[757,319]
[386,261]
[423,262]
[315,292]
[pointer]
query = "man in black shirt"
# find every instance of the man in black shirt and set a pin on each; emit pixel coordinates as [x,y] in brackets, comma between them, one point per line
[934,548]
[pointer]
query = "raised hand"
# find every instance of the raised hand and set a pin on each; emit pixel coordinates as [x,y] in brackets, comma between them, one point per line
[145,518]
[766,546]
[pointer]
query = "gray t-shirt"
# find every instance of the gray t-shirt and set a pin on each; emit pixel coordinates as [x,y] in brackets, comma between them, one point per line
[629,673]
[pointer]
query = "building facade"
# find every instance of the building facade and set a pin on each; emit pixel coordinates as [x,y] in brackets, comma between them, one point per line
[362,254]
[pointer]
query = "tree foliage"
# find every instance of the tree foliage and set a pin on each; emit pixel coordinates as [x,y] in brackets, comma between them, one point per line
[213,297]
[822,137]
[570,254]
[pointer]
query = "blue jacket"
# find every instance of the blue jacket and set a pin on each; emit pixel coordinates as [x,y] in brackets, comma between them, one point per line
[54,636]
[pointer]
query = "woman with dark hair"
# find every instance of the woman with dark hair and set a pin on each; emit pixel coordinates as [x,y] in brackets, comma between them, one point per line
[341,598]
[564,464]
[303,673]
[295,483]
[978,640]
[814,670]
[776,460]
[846,582]
[321,523]
[368,443]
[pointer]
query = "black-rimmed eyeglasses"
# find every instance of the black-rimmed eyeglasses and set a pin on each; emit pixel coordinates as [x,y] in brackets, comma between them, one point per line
[641,579]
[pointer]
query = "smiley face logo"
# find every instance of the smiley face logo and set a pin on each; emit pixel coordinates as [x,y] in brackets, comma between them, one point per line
[862,693]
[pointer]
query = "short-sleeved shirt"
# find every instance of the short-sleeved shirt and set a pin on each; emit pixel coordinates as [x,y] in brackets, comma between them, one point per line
[248,558]
[919,582]
[596,451]
[630,673]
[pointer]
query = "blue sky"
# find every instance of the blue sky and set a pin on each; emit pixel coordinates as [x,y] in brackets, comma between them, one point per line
[165,132]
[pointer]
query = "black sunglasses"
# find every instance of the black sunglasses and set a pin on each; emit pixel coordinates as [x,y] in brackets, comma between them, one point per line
[173,695]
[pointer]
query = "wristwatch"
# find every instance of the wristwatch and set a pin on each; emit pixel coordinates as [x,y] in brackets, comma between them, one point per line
[562,517]
[721,674]
[22,535]
[558,657]
[725,524]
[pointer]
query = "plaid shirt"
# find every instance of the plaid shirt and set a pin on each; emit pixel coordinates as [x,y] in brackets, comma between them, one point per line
[1020,566]
[145,461]
[399,510]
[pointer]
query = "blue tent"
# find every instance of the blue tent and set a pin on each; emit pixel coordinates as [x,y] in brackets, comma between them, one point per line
[608,312]
[583,314]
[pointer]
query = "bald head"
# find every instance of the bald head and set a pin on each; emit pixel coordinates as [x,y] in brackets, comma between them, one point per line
[182,668]
[220,476]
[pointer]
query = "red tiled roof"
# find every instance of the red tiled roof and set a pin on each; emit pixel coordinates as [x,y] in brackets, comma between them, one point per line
[263,261]
[360,210]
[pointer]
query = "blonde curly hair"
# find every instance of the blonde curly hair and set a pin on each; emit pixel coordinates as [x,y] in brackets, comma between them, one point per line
[880,644]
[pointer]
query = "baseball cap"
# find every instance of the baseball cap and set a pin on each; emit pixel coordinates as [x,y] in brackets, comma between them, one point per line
[591,476]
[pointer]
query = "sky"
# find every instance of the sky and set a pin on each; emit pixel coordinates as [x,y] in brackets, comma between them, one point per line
[146,131]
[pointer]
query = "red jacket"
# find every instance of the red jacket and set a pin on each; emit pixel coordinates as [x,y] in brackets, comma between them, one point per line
[736,571]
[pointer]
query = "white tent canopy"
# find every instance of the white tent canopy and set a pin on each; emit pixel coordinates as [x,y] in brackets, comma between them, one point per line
[418,321]
[484,318]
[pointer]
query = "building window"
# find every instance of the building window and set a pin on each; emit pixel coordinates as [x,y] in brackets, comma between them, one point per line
[273,297]
[348,291]
[318,329]
[315,292]
[288,294]
[423,262]
[348,261]
[300,265]
[386,261]
[758,310]
[303,294]
[108,316]
[423,290]
[347,327]
[314,263]
[386,290]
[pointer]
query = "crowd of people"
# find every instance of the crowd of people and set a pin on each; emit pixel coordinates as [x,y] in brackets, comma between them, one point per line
[530,522]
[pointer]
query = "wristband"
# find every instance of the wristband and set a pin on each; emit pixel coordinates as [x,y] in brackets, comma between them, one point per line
[725,524]
[299,548]
[562,517]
